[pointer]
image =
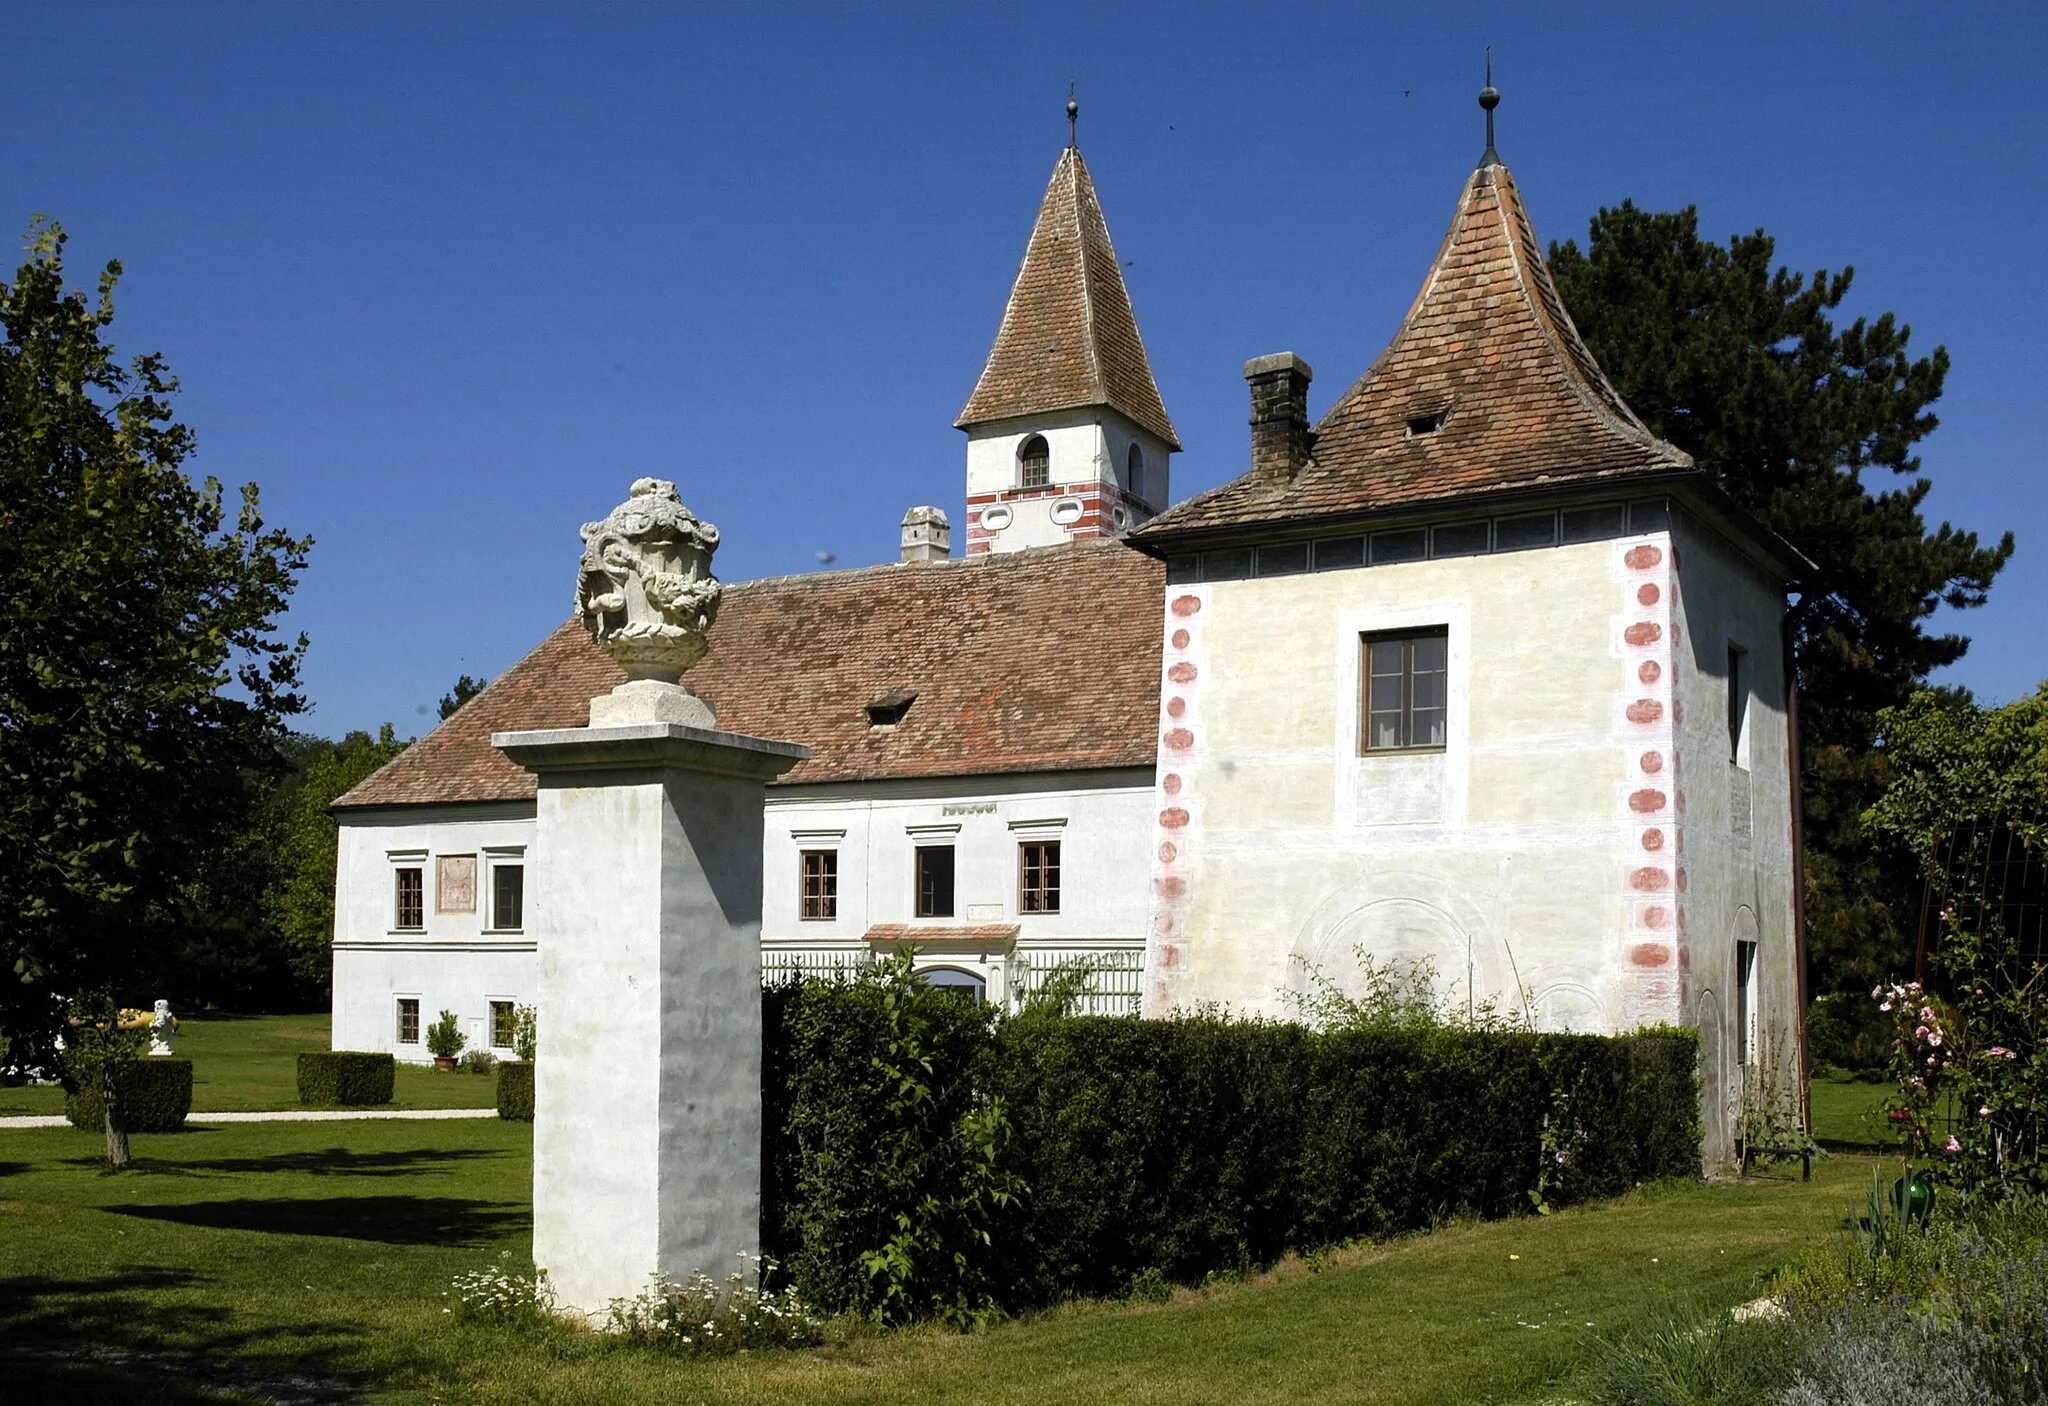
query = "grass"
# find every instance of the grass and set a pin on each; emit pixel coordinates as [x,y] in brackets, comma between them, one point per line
[254,1252]
[250,1063]
[1845,1110]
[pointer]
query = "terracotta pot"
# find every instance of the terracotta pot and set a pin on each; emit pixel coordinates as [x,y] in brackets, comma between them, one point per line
[444,1063]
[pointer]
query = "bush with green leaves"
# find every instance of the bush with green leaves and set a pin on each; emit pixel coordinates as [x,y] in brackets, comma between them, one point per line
[346,1076]
[445,1038]
[525,1033]
[925,1159]
[515,1090]
[156,1096]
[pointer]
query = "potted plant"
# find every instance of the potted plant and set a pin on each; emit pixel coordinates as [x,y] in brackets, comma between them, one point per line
[445,1041]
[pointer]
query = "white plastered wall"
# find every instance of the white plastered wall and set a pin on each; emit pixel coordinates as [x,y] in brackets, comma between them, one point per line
[455,962]
[1086,447]
[1738,823]
[1101,819]
[1510,861]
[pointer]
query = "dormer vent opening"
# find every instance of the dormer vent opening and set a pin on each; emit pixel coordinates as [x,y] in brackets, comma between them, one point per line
[1427,424]
[887,711]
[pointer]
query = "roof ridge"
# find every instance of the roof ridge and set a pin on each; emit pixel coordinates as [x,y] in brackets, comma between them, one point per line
[1575,359]
[1070,159]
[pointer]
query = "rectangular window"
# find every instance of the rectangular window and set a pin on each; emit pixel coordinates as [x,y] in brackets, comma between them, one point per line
[934,881]
[408,1020]
[1738,702]
[409,906]
[1283,560]
[1038,878]
[1409,544]
[1516,533]
[820,885]
[1460,539]
[1406,690]
[1340,553]
[1745,1001]
[508,897]
[504,1025]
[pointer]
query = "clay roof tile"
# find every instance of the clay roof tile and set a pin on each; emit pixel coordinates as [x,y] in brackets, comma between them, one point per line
[1046,660]
[1488,346]
[1068,337]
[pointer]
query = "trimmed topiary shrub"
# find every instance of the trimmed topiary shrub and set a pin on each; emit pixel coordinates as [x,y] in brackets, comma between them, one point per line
[515,1090]
[156,1094]
[346,1076]
[924,1157]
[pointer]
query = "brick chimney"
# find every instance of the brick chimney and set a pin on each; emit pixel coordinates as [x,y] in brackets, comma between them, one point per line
[927,536]
[1281,438]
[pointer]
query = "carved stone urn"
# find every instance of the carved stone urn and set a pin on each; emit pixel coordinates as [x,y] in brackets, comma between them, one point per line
[645,592]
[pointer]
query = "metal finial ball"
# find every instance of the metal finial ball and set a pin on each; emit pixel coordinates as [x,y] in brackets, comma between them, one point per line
[1073,109]
[1489,97]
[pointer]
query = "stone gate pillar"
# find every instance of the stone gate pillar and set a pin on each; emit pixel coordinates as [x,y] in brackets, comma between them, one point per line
[646,904]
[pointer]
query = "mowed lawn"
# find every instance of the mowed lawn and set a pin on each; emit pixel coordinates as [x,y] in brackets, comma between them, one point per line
[251,1063]
[319,1253]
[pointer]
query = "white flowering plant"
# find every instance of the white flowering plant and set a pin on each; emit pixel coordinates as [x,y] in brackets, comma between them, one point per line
[500,1293]
[701,1316]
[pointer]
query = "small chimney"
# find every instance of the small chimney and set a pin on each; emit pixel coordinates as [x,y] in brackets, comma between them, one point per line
[1281,438]
[927,536]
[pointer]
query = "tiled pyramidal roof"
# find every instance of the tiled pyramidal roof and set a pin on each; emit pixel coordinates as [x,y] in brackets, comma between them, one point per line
[1489,354]
[1068,337]
[1045,660]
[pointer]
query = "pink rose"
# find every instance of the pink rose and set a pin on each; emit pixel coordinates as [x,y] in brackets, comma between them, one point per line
[1951,1146]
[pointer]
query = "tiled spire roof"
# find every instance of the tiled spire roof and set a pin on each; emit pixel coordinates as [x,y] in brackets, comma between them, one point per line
[1489,356]
[1068,336]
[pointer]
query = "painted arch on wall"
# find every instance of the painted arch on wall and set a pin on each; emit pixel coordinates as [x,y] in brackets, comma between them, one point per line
[1404,919]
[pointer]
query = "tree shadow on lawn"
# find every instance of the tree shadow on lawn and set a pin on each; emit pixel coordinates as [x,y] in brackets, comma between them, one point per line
[391,1220]
[13,1169]
[96,1335]
[340,1162]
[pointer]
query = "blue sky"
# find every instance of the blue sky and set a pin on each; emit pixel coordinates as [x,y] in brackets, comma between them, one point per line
[444,279]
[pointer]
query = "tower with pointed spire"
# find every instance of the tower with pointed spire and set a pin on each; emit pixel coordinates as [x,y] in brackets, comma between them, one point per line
[1476,675]
[1067,436]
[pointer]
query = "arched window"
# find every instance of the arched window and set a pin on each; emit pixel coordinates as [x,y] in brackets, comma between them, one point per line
[966,983]
[1034,463]
[1134,478]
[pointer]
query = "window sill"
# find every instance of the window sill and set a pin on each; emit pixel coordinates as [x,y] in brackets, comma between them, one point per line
[1403,752]
[503,932]
[405,932]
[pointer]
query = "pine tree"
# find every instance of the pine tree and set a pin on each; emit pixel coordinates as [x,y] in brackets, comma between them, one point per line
[1739,364]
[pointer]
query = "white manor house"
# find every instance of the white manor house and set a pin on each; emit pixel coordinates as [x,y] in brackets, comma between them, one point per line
[1475,670]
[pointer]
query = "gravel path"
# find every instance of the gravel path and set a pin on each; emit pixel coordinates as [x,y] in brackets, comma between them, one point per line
[307,1115]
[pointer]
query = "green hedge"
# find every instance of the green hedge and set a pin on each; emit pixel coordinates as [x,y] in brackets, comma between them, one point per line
[156,1094]
[346,1076]
[1184,1146]
[515,1090]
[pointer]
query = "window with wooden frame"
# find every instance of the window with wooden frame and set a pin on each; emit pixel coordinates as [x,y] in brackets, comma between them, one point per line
[1406,691]
[508,897]
[1034,463]
[1134,472]
[408,1020]
[504,1025]
[1038,876]
[409,897]
[934,881]
[820,885]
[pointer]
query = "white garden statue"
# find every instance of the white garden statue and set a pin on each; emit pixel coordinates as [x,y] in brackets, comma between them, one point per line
[162,1025]
[645,591]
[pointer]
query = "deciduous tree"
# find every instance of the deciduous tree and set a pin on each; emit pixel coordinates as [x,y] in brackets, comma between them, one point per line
[143,679]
